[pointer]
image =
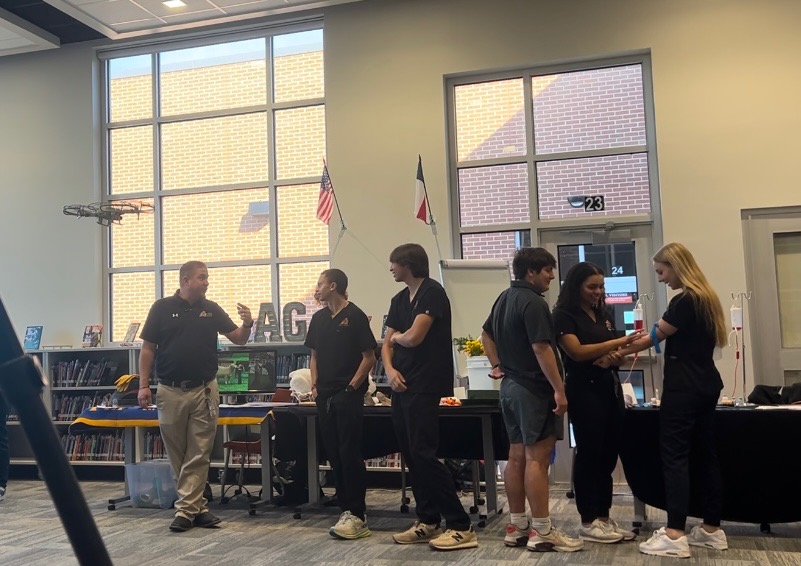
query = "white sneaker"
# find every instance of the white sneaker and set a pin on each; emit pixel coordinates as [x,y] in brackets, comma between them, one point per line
[417,533]
[554,541]
[599,531]
[515,536]
[716,541]
[662,545]
[349,527]
[627,535]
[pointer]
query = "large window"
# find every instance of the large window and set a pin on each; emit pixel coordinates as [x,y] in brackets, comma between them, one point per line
[225,141]
[527,145]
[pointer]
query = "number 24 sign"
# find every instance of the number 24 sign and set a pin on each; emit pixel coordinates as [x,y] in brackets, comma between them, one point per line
[594,203]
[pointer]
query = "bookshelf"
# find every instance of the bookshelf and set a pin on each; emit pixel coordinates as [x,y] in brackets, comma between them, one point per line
[78,378]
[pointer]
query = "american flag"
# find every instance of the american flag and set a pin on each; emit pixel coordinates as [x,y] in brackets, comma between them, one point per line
[325,204]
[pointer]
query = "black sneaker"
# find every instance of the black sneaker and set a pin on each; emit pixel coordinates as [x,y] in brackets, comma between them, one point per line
[206,520]
[180,525]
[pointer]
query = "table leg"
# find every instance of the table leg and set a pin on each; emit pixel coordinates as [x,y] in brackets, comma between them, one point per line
[129,458]
[311,455]
[266,468]
[489,465]
[640,514]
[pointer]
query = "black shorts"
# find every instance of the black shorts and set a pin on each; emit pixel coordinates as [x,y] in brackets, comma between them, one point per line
[528,416]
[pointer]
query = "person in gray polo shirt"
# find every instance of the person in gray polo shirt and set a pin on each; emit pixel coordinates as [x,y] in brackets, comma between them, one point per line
[520,342]
[180,336]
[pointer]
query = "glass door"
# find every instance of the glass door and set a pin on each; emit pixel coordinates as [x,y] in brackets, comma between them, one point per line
[624,255]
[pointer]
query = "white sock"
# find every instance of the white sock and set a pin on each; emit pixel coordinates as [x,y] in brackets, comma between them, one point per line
[542,526]
[519,520]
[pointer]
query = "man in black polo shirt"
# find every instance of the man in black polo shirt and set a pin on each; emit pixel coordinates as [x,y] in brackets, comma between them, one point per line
[180,336]
[520,342]
[342,353]
[418,357]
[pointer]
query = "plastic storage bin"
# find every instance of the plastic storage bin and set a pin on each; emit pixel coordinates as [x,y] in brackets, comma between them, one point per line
[151,484]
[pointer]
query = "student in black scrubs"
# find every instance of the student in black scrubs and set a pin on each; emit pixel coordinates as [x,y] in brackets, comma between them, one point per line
[692,326]
[595,400]
[418,357]
[343,352]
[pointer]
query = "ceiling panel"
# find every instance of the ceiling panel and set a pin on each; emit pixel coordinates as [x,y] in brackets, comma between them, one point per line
[20,36]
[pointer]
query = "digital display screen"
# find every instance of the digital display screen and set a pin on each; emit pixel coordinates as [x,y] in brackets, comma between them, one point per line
[246,372]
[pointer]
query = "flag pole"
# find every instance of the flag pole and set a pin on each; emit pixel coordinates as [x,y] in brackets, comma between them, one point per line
[431,221]
[342,226]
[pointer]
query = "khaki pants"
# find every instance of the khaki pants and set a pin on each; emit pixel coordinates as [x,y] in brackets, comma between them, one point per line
[188,430]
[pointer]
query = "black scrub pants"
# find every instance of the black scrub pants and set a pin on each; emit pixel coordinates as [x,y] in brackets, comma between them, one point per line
[595,409]
[415,418]
[687,433]
[340,416]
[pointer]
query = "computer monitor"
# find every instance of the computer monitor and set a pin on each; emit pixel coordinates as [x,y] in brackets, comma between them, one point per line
[246,372]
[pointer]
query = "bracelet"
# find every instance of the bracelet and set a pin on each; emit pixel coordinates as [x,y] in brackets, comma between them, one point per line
[147,387]
[496,366]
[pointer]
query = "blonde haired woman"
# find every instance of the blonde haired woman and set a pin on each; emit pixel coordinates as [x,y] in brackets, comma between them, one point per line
[692,326]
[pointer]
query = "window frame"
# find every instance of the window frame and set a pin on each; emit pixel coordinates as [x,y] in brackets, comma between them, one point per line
[535,225]
[155,121]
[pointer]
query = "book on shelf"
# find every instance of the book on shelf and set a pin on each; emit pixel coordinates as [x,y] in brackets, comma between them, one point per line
[94,447]
[92,336]
[130,334]
[33,337]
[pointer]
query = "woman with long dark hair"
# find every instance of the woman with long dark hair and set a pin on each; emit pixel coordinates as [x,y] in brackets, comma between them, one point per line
[586,333]
[692,326]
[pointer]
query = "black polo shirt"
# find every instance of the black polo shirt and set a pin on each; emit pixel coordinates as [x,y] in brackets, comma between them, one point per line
[520,318]
[339,342]
[587,331]
[186,337]
[428,367]
[689,362]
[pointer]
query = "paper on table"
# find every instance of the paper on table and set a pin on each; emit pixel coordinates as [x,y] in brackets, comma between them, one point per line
[779,407]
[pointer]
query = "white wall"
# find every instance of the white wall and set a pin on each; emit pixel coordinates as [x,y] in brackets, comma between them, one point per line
[50,264]
[727,75]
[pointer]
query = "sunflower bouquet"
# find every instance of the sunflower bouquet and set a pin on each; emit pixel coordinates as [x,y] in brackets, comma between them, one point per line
[469,345]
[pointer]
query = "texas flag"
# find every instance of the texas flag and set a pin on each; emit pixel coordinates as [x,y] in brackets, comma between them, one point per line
[420,200]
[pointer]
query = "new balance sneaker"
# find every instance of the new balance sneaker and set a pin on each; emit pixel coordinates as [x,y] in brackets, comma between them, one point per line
[716,541]
[2,493]
[418,533]
[662,545]
[349,527]
[455,540]
[627,535]
[600,531]
[554,541]
[515,536]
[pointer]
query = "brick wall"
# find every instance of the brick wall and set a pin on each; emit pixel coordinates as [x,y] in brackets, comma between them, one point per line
[584,110]
[219,151]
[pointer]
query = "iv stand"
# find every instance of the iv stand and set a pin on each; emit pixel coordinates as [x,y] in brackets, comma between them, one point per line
[648,297]
[741,299]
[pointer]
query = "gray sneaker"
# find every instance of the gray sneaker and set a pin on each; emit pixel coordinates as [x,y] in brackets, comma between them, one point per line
[554,541]
[599,531]
[2,493]
[349,527]
[418,533]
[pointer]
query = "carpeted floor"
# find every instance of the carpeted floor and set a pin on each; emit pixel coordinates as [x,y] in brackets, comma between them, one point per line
[30,533]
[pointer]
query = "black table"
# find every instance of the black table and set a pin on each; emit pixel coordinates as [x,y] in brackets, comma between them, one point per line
[472,432]
[758,460]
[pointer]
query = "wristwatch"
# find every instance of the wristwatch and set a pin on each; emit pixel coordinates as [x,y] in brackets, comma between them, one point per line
[349,388]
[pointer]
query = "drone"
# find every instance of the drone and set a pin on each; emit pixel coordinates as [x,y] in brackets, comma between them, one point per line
[107,213]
